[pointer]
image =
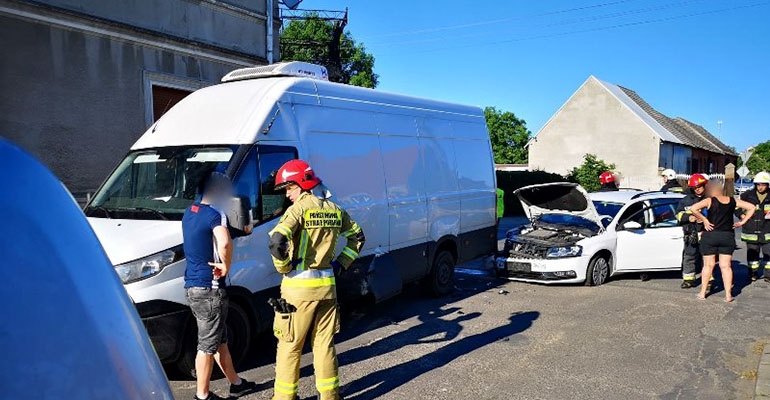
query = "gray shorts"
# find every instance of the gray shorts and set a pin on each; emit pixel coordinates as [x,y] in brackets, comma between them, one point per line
[209,307]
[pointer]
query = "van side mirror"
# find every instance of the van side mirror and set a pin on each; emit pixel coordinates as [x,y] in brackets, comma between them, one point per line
[631,225]
[239,216]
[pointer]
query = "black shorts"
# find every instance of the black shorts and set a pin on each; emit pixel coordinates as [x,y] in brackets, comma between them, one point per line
[717,242]
[209,307]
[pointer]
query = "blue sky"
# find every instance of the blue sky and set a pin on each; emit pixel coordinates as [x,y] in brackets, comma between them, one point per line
[703,60]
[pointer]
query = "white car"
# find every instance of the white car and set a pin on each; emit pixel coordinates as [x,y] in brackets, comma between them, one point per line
[579,237]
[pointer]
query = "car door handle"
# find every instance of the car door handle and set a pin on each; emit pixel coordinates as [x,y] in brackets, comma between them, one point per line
[677,238]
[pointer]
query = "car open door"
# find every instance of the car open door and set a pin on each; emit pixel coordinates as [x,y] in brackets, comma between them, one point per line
[649,237]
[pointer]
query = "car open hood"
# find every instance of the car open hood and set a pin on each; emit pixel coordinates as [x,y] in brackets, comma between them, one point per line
[557,198]
[126,240]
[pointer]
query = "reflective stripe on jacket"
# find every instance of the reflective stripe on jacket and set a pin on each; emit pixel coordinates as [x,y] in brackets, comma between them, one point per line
[683,213]
[303,244]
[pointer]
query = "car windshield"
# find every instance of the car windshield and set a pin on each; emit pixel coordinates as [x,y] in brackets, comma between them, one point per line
[567,220]
[157,183]
[607,208]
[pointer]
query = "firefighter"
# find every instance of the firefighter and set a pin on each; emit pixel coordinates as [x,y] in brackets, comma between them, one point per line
[756,232]
[607,179]
[302,246]
[670,183]
[692,228]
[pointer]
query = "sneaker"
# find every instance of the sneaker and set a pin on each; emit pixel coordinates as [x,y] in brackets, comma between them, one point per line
[687,284]
[243,388]
[211,396]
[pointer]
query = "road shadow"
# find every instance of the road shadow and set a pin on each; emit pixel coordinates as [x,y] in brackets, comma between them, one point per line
[432,329]
[382,382]
[740,279]
[363,316]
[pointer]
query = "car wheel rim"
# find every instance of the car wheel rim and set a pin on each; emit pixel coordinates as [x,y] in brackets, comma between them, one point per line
[444,273]
[601,270]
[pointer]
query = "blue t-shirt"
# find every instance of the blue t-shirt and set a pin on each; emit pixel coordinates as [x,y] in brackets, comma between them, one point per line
[198,226]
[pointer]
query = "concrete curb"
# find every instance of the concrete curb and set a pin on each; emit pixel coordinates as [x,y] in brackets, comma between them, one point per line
[762,390]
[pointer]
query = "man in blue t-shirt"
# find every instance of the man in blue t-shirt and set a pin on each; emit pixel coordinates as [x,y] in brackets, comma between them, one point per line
[208,250]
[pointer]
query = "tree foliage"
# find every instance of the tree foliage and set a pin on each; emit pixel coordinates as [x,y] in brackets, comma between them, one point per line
[760,158]
[587,174]
[311,40]
[509,136]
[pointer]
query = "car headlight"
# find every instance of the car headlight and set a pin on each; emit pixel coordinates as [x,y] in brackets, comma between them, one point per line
[148,266]
[565,251]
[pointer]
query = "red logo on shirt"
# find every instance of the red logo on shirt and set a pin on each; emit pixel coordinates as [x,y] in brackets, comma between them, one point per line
[194,208]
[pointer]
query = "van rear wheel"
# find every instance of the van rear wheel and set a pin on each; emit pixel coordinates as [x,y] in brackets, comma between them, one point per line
[441,279]
[238,341]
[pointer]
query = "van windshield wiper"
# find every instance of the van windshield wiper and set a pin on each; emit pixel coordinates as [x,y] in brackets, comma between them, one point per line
[144,209]
[102,209]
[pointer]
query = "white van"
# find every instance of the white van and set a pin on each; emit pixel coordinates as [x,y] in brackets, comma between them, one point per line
[417,175]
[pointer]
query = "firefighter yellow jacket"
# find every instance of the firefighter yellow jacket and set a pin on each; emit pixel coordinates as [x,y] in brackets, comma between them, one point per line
[303,245]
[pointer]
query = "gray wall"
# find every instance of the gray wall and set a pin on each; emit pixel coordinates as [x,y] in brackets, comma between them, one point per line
[201,21]
[76,97]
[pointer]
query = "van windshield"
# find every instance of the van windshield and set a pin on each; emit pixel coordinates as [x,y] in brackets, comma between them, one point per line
[157,183]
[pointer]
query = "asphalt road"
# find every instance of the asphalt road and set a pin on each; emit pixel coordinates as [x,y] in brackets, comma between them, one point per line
[627,339]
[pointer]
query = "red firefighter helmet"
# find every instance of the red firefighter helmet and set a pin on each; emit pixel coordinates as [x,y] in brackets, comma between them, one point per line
[296,171]
[697,180]
[606,177]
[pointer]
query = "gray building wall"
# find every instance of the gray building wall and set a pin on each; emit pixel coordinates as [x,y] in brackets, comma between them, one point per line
[76,75]
[594,121]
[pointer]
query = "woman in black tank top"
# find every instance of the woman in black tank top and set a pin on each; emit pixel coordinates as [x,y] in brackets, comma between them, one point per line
[719,238]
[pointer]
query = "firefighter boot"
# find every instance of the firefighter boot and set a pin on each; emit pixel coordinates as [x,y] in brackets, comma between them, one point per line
[687,284]
[753,271]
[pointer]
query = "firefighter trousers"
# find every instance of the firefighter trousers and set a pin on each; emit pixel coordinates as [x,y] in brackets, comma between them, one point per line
[691,260]
[753,251]
[317,321]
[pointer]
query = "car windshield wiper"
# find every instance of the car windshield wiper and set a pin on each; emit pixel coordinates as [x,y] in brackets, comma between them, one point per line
[102,209]
[144,209]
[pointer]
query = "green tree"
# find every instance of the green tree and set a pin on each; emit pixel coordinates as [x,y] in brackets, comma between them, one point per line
[760,158]
[509,136]
[587,174]
[311,40]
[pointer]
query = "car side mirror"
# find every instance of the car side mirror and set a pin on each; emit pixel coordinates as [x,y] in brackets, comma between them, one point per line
[631,225]
[239,216]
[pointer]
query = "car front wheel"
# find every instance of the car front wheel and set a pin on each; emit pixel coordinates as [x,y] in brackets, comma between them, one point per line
[598,271]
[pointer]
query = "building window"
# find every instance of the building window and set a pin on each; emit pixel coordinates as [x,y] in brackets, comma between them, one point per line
[163,98]
[162,91]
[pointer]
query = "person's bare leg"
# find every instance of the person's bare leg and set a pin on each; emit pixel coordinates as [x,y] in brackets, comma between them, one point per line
[725,265]
[225,362]
[708,269]
[204,364]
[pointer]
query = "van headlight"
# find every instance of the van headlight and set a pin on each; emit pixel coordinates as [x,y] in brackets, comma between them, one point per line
[148,266]
[565,251]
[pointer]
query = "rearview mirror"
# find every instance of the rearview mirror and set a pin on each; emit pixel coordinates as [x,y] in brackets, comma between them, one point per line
[239,216]
[631,225]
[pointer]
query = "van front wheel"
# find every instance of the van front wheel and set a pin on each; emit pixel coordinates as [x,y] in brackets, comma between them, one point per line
[441,279]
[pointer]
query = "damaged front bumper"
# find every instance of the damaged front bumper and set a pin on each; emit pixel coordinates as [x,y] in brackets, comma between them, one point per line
[564,270]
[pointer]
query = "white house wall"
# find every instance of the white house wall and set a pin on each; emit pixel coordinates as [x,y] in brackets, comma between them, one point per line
[594,121]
